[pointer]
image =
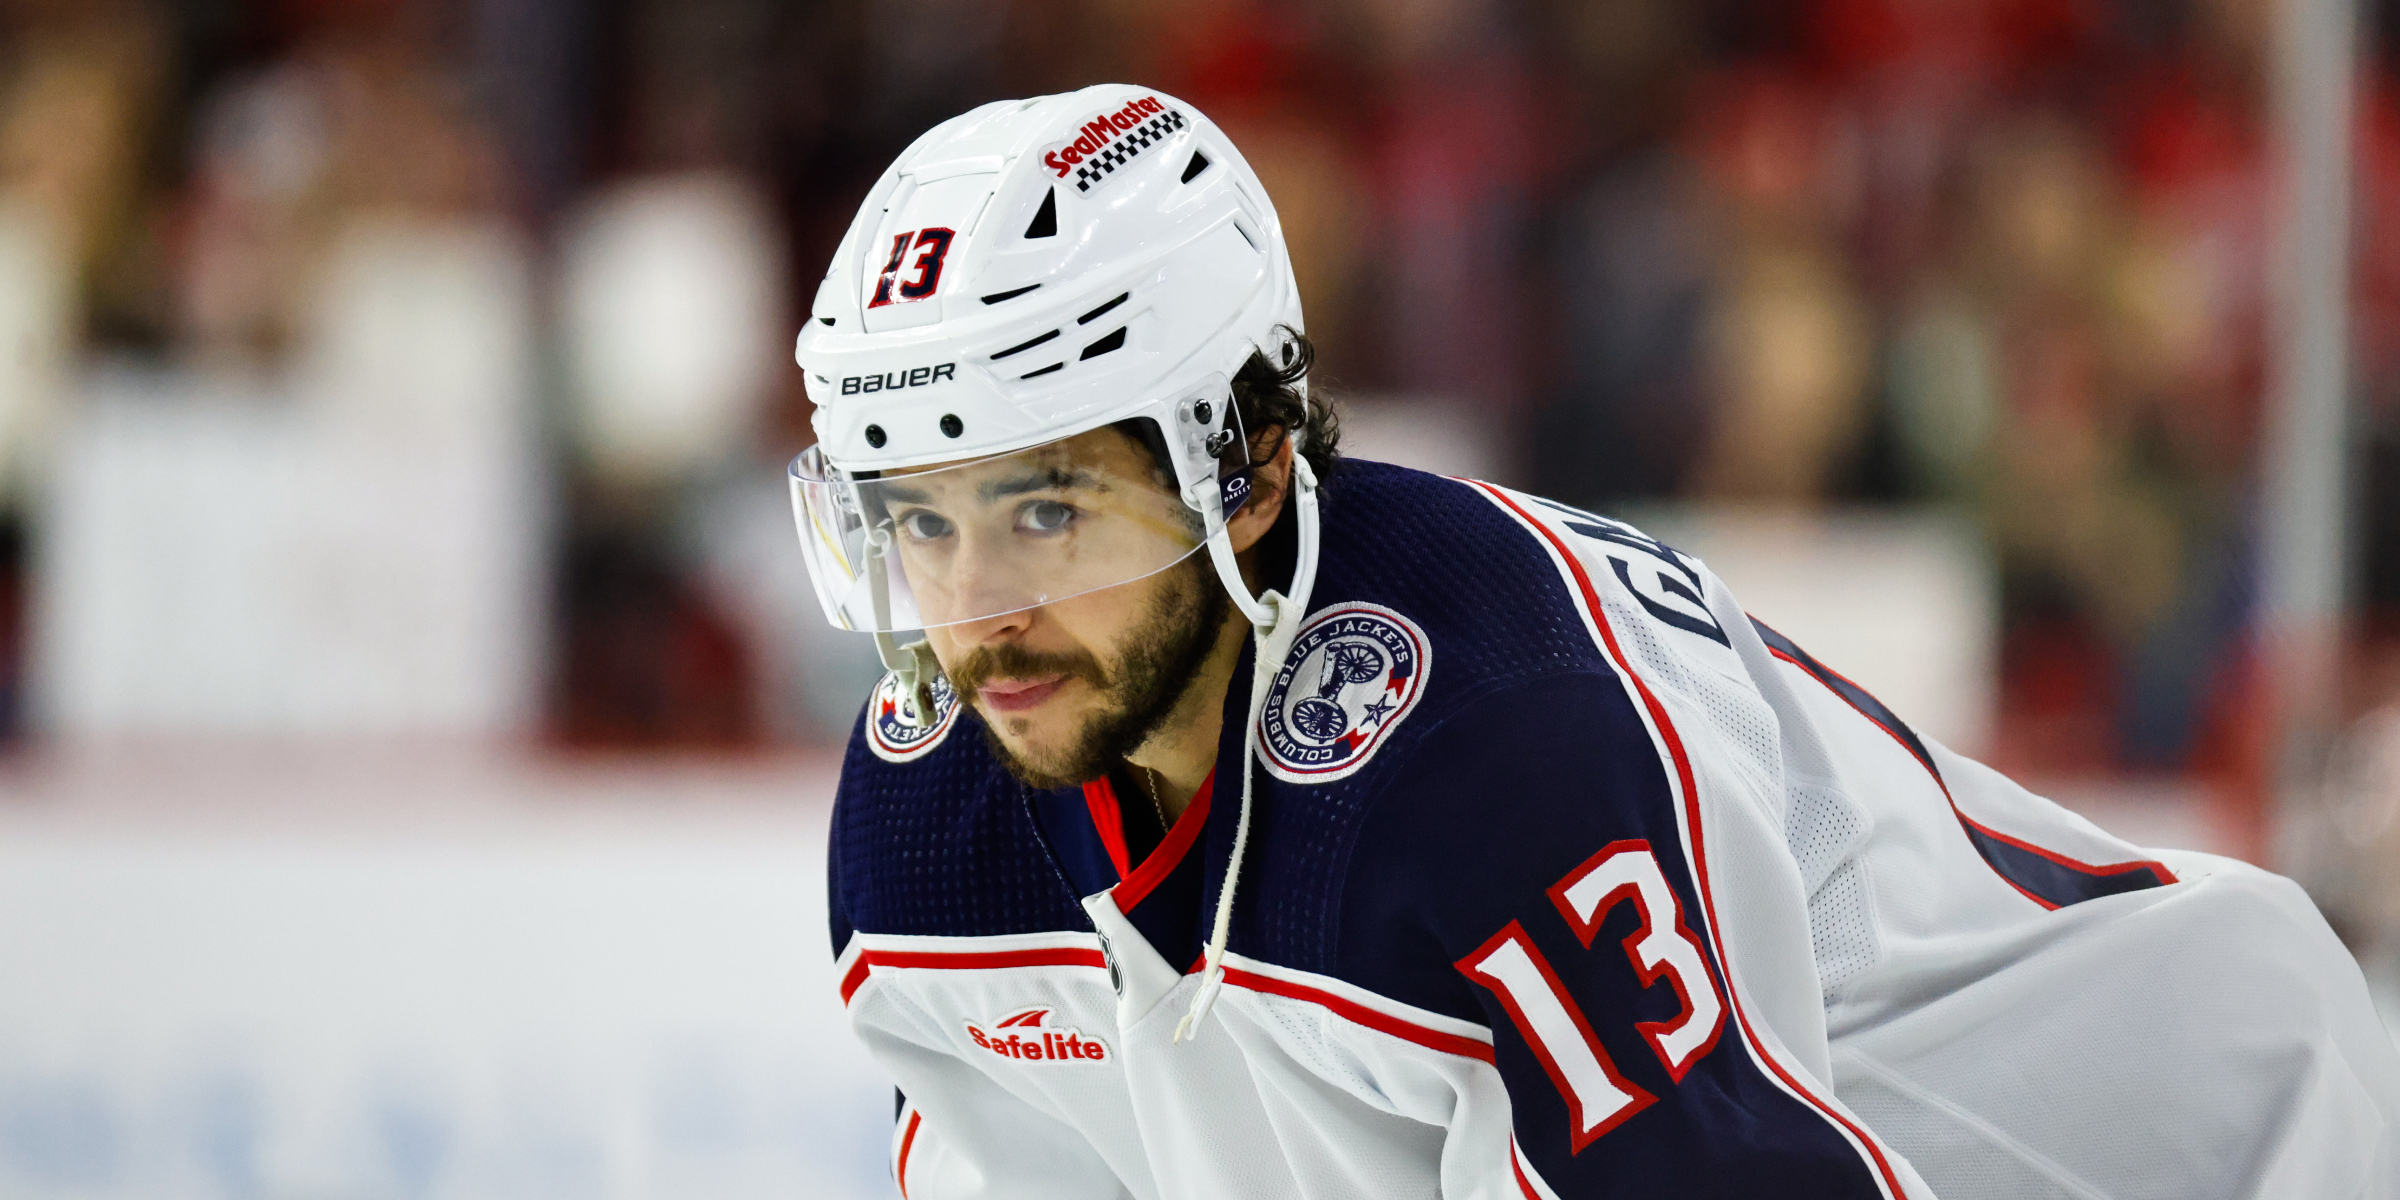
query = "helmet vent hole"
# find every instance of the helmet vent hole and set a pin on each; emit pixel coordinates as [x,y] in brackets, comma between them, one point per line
[1010,294]
[1086,318]
[875,436]
[1198,164]
[951,425]
[1045,219]
[1056,366]
[1112,341]
[1025,345]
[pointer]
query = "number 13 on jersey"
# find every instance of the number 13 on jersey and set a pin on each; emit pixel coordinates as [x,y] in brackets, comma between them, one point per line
[1598,1096]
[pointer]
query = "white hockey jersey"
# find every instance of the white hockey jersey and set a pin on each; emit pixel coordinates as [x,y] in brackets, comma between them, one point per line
[1567,879]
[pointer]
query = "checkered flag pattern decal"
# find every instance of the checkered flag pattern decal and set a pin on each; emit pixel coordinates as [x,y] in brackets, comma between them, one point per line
[1099,166]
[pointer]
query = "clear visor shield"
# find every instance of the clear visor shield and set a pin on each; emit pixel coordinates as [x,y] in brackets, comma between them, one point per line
[917,548]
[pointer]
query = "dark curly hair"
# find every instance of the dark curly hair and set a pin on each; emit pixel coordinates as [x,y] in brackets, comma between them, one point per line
[1268,404]
[1268,399]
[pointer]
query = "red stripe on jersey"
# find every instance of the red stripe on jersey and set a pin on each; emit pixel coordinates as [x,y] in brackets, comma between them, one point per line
[968,960]
[1169,855]
[1691,805]
[1100,796]
[1523,1185]
[908,1141]
[1872,719]
[2073,864]
[2155,867]
[1360,1014]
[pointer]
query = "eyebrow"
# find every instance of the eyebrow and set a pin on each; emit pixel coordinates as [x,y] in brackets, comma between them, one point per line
[1059,478]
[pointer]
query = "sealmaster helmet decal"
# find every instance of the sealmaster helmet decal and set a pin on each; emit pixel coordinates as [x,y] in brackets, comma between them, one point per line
[1110,140]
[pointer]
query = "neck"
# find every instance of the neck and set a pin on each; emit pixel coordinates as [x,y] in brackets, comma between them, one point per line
[1184,750]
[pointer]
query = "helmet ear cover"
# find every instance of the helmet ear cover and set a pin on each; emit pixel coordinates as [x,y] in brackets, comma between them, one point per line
[1233,463]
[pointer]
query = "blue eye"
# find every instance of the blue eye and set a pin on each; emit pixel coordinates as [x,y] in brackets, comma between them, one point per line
[925,526]
[1045,516]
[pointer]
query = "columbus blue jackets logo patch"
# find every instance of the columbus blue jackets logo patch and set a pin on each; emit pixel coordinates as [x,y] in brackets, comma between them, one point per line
[894,739]
[1354,671]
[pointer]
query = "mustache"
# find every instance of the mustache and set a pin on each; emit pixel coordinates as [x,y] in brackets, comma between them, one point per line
[987,663]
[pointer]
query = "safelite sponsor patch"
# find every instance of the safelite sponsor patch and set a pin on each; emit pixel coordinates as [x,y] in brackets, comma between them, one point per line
[1027,1037]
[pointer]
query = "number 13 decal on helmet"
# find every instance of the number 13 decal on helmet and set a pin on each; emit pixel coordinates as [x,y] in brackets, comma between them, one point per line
[936,245]
[1598,1096]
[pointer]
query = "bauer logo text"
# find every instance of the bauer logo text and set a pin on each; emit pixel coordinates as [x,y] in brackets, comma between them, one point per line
[892,381]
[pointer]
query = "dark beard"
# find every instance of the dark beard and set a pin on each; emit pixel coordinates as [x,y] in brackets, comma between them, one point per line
[1162,661]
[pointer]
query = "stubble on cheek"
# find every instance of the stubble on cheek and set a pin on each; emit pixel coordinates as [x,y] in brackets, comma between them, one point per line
[1038,746]
[1092,727]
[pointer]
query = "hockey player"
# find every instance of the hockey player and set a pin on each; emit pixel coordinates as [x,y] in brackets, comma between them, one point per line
[1240,821]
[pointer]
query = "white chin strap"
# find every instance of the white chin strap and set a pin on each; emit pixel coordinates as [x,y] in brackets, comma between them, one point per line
[1275,618]
[913,664]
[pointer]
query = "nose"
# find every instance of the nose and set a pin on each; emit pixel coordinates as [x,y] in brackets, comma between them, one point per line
[993,630]
[982,587]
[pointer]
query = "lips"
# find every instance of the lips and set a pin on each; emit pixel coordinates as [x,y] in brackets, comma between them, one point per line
[1018,695]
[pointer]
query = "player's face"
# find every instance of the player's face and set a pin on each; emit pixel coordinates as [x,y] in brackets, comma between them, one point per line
[988,537]
[1067,688]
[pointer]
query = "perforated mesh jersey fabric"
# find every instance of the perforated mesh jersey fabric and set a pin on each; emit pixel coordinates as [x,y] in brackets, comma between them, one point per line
[944,845]
[1744,725]
[1822,826]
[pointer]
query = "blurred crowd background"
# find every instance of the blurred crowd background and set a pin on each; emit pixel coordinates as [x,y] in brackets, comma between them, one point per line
[419,370]
[529,270]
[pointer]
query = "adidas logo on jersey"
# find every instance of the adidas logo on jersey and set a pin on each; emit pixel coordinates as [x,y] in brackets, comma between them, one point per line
[1023,1036]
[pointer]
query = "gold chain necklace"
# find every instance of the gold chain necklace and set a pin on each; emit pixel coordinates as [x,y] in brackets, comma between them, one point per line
[1152,787]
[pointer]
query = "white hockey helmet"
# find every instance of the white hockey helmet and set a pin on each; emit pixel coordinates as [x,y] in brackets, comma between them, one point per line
[1026,273]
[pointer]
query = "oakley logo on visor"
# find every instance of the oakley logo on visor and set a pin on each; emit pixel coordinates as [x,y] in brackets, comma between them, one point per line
[1233,491]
